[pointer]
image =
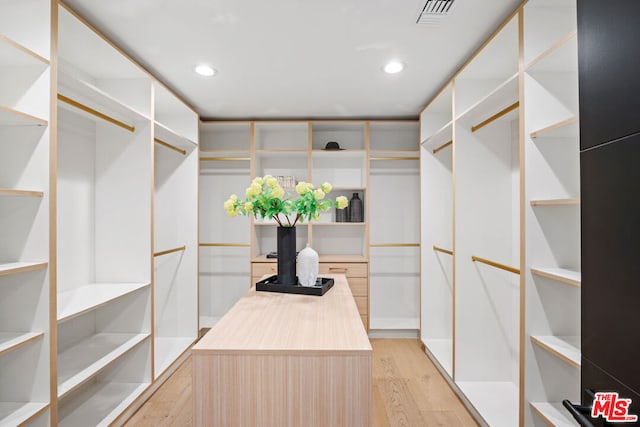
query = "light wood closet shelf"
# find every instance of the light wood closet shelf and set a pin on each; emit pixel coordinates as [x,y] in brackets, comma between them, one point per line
[15,192]
[564,348]
[21,267]
[567,128]
[90,356]
[553,414]
[16,55]
[89,297]
[556,202]
[12,117]
[10,341]
[569,277]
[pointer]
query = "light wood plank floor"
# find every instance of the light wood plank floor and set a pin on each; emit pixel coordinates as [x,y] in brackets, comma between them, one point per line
[408,391]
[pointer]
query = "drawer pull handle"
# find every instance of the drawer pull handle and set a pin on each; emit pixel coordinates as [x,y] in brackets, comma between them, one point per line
[338,270]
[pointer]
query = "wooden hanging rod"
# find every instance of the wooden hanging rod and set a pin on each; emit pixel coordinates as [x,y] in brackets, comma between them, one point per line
[495,264]
[394,158]
[442,147]
[172,147]
[444,251]
[234,245]
[395,245]
[496,116]
[96,113]
[225,159]
[168,251]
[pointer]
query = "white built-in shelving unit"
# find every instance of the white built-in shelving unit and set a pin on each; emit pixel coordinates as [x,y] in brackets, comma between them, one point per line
[552,211]
[394,230]
[225,243]
[175,213]
[25,130]
[437,228]
[500,196]
[104,172]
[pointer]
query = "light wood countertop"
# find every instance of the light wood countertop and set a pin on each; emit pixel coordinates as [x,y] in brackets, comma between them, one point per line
[275,322]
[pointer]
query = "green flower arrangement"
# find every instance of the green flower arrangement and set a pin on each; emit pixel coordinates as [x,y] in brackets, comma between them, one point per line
[265,198]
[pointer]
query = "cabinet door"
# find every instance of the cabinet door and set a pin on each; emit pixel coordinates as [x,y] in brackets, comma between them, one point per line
[609,66]
[610,186]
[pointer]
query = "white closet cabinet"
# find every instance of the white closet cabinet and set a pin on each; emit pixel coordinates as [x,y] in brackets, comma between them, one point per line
[552,209]
[103,227]
[394,212]
[175,279]
[25,75]
[436,166]
[511,302]
[225,243]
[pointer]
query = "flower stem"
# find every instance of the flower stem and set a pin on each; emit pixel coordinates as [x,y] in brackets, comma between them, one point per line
[277,220]
[287,216]
[296,220]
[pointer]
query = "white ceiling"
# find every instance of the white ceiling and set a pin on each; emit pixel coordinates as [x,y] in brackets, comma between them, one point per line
[297,58]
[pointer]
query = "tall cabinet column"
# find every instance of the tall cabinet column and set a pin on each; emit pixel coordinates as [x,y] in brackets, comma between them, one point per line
[610,147]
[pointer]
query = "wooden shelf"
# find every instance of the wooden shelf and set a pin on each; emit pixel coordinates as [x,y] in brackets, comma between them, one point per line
[14,54]
[21,267]
[91,355]
[20,413]
[99,405]
[564,348]
[89,297]
[167,350]
[569,277]
[13,117]
[96,98]
[10,341]
[556,202]
[442,350]
[561,57]
[323,258]
[441,136]
[567,128]
[505,94]
[391,151]
[337,224]
[27,193]
[553,414]
[331,154]
[281,153]
[164,134]
[497,402]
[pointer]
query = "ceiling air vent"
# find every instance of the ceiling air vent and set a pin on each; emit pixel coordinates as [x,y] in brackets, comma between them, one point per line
[434,11]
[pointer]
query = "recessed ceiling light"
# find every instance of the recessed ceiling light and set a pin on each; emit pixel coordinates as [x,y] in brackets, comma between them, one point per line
[205,70]
[393,67]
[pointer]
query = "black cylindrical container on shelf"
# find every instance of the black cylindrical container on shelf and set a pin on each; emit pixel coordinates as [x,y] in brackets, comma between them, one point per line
[342,215]
[356,209]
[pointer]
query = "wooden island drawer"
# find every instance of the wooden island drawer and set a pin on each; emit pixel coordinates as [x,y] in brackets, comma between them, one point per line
[348,269]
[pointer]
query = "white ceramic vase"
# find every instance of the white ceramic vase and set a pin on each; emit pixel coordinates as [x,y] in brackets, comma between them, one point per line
[308,264]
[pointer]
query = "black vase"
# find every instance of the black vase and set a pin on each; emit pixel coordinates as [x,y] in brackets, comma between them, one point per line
[287,256]
[356,210]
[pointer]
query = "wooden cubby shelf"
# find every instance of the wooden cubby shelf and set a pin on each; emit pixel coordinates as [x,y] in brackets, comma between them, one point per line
[564,348]
[12,117]
[10,341]
[21,267]
[15,55]
[569,277]
[553,414]
[96,98]
[26,193]
[101,403]
[556,202]
[169,136]
[90,356]
[20,413]
[567,128]
[89,297]
[556,59]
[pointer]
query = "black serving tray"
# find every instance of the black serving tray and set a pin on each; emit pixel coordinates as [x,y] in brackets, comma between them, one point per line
[270,284]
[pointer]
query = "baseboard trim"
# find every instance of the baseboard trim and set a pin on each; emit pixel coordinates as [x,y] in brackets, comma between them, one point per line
[394,333]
